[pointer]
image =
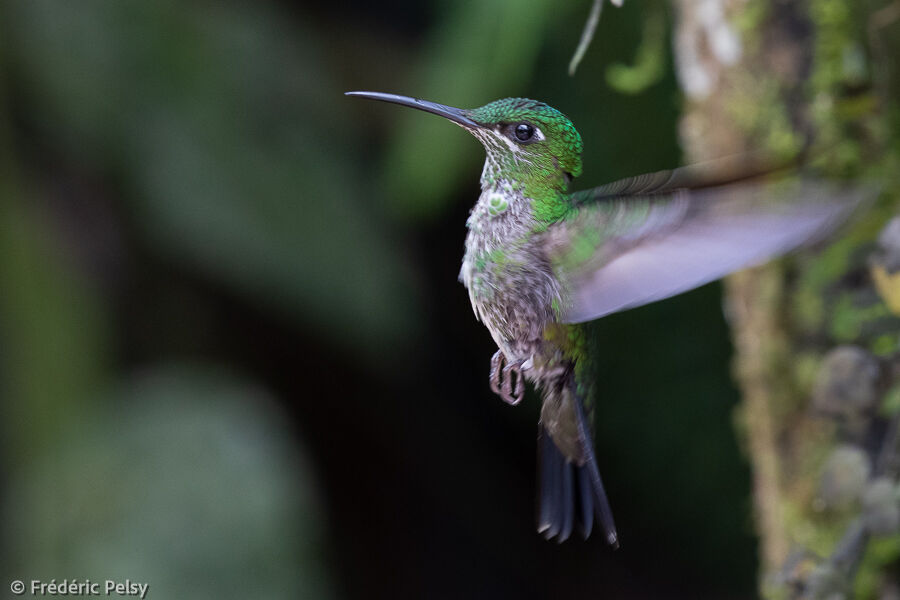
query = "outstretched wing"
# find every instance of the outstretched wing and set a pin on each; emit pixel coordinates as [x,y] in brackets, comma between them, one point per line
[647,238]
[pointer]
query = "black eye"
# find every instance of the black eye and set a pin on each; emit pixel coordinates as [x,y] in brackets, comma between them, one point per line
[524,132]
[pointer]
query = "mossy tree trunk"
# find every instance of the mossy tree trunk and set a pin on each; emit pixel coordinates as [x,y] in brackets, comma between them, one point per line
[815,337]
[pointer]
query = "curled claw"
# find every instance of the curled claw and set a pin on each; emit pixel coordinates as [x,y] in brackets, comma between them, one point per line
[506,379]
[513,389]
[497,362]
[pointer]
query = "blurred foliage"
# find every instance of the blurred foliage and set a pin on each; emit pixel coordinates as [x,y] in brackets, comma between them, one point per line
[189,484]
[233,162]
[54,330]
[649,66]
[183,184]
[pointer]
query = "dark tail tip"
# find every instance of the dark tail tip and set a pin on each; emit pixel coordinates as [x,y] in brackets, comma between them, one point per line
[613,539]
[590,469]
[569,496]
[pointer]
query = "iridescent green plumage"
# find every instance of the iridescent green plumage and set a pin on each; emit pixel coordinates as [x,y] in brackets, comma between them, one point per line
[543,176]
[539,260]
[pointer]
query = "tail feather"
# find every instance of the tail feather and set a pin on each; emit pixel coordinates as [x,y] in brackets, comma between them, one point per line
[590,466]
[587,503]
[571,494]
[567,516]
[549,505]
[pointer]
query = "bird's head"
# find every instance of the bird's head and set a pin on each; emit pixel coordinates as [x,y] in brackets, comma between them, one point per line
[530,146]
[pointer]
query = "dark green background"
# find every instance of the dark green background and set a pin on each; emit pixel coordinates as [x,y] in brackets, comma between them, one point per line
[236,361]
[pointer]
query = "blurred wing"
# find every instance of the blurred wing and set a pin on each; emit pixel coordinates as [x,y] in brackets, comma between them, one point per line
[716,173]
[616,252]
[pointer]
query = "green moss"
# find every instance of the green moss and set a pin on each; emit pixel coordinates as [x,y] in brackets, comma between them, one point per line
[829,266]
[763,115]
[884,550]
[749,20]
[885,344]
[880,553]
[865,587]
[818,533]
[808,309]
[848,320]
[846,124]
[806,370]
[850,135]
[890,404]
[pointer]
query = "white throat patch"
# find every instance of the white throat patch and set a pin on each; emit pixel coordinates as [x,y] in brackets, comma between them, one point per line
[497,145]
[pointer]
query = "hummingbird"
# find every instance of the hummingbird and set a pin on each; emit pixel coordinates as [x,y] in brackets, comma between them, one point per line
[540,261]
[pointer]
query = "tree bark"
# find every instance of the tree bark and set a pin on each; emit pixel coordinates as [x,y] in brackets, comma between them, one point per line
[814,339]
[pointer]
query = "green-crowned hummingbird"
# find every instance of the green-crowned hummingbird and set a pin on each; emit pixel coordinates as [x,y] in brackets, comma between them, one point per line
[540,260]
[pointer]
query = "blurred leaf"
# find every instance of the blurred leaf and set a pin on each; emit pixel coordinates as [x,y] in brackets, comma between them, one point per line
[223,126]
[649,64]
[54,333]
[190,485]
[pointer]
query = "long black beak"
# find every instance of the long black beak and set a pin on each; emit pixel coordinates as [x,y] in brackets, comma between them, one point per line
[457,115]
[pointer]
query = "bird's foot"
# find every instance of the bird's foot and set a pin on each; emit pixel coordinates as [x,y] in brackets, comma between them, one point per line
[506,379]
[497,362]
